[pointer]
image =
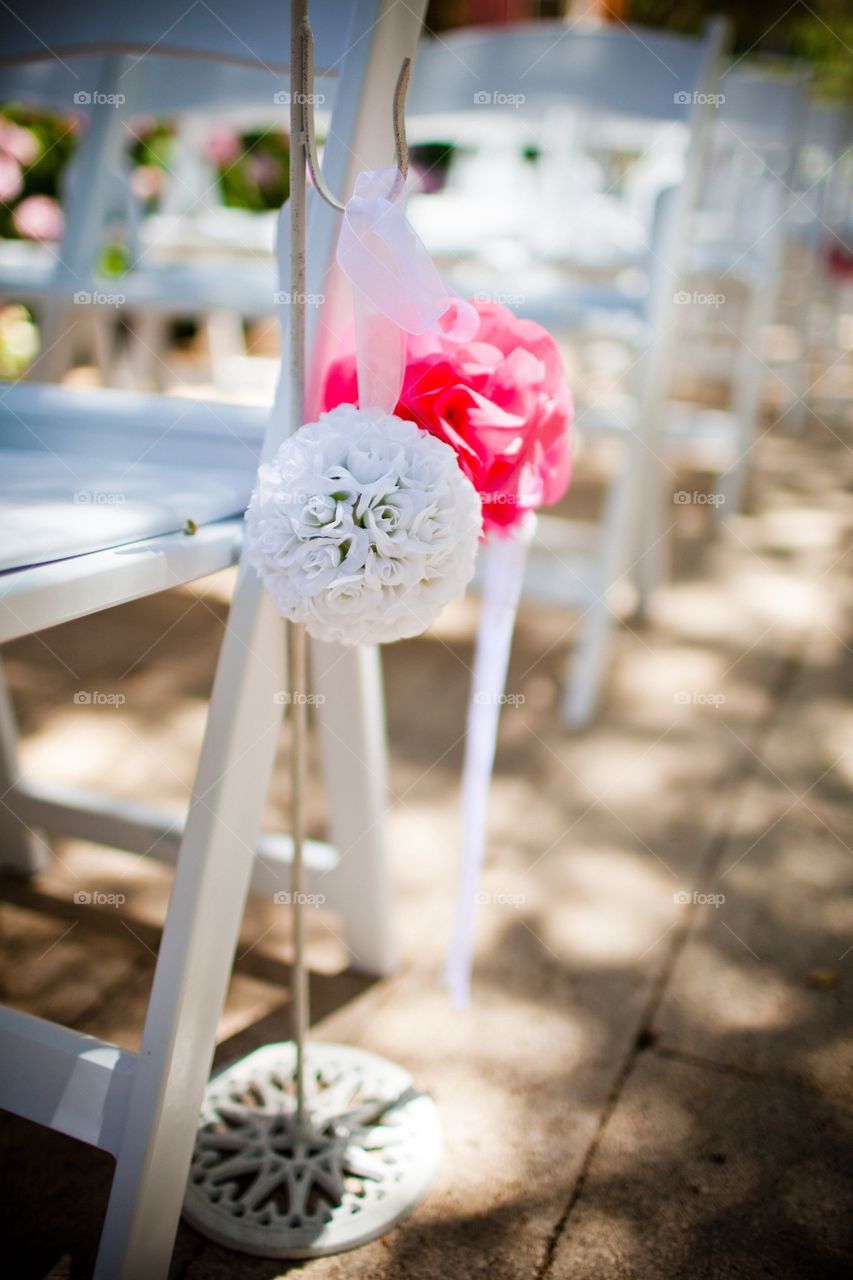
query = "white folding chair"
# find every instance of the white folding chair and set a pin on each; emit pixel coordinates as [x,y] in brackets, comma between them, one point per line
[197,259]
[573,94]
[737,242]
[201,458]
[812,227]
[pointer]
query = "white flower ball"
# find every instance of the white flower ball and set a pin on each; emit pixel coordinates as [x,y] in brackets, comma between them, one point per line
[363,527]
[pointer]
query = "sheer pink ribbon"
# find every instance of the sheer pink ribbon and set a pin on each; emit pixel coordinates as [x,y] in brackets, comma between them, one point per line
[396,287]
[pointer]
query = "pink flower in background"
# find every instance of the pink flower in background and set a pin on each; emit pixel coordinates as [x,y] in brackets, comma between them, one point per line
[147,181]
[39,218]
[18,143]
[141,127]
[501,401]
[223,145]
[11,180]
[264,169]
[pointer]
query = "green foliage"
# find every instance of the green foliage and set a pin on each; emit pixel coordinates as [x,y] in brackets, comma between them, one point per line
[260,178]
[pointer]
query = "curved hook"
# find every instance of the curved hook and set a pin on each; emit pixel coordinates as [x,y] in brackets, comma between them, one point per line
[309,139]
[401,146]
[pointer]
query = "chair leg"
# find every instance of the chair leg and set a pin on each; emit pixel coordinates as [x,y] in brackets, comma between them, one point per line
[591,658]
[22,852]
[350,720]
[588,669]
[57,322]
[196,953]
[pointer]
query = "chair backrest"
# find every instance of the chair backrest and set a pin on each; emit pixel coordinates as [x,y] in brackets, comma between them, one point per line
[824,134]
[609,111]
[256,32]
[764,112]
[748,181]
[521,70]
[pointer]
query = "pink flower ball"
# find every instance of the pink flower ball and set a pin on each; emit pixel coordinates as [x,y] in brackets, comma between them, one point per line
[501,401]
[39,218]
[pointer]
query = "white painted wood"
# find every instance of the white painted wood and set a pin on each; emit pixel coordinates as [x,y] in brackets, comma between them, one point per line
[351,725]
[745,210]
[157,833]
[22,848]
[33,599]
[73,1083]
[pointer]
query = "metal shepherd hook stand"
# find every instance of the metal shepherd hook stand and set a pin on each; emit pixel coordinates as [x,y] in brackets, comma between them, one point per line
[309,1150]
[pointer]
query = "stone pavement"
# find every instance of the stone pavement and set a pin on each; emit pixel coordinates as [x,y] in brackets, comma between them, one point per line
[655,1077]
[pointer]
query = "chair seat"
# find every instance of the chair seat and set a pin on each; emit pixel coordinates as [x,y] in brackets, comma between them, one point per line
[103,485]
[174,288]
[54,506]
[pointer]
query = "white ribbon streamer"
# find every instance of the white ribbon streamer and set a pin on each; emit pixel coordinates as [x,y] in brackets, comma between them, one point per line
[504,561]
[397,290]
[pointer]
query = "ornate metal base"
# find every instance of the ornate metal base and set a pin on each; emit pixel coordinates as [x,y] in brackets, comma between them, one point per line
[260,1186]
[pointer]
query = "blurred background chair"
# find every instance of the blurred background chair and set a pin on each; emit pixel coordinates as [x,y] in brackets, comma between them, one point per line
[818,226]
[732,281]
[568,160]
[191,257]
[111,496]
